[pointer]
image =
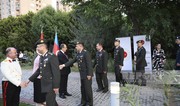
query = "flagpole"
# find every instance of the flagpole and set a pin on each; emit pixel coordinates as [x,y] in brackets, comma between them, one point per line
[55,28]
[41,28]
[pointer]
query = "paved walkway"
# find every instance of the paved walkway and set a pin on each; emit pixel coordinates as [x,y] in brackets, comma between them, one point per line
[142,96]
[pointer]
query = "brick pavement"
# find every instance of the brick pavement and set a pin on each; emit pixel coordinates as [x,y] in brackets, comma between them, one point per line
[148,95]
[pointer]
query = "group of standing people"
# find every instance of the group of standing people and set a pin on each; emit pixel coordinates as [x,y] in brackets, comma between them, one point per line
[50,72]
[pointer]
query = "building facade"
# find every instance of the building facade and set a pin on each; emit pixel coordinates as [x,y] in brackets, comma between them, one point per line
[20,7]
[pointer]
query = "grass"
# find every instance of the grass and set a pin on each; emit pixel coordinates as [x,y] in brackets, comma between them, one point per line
[21,104]
[131,94]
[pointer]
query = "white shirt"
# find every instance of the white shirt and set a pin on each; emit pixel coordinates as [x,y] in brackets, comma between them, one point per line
[62,51]
[21,55]
[11,71]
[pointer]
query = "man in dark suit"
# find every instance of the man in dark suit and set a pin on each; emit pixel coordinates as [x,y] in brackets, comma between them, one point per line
[177,65]
[83,59]
[63,58]
[49,72]
[101,68]
[118,61]
[140,62]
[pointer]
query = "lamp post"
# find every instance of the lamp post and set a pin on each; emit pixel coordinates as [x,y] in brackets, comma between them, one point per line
[115,91]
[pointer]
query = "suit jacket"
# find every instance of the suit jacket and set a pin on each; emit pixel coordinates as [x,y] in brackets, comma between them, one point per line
[84,64]
[118,56]
[49,70]
[101,61]
[62,60]
[140,57]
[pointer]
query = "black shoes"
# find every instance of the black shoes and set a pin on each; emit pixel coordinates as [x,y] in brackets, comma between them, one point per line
[98,90]
[67,94]
[84,105]
[62,96]
[105,90]
[81,105]
[122,83]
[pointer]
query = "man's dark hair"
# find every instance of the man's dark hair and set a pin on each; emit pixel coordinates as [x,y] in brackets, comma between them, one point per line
[80,43]
[62,45]
[117,40]
[100,43]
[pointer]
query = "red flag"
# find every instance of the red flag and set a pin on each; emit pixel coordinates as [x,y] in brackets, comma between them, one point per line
[42,35]
[56,45]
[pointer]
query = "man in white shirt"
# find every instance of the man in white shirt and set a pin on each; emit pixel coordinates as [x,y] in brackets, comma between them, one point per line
[11,82]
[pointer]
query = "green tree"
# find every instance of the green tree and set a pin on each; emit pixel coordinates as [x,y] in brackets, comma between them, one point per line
[90,23]
[51,20]
[16,32]
[159,19]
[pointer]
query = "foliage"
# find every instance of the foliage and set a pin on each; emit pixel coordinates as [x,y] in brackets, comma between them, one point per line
[110,64]
[2,57]
[92,21]
[17,32]
[23,31]
[85,30]
[116,18]
[92,29]
[51,21]
[131,94]
[170,64]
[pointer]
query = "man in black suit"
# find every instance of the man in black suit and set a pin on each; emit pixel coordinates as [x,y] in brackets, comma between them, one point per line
[177,65]
[140,62]
[118,61]
[49,72]
[63,58]
[83,59]
[101,62]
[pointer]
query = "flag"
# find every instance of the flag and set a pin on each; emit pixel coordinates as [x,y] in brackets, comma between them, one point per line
[42,35]
[56,45]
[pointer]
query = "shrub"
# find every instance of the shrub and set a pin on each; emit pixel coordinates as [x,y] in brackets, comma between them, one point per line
[170,64]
